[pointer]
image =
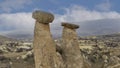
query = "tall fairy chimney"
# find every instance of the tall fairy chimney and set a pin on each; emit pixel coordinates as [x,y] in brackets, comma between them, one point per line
[44,46]
[71,53]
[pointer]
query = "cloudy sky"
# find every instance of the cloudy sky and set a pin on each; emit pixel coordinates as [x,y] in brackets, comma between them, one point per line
[16,15]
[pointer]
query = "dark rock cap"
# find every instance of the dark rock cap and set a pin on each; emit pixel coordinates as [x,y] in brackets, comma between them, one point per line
[69,25]
[43,17]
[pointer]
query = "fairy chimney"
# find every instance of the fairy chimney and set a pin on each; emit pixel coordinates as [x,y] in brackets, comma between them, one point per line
[71,52]
[44,46]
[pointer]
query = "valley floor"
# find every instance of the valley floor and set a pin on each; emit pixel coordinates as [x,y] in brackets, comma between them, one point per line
[98,51]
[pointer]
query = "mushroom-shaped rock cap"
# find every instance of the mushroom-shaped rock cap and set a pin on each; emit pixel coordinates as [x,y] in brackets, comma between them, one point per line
[43,17]
[69,25]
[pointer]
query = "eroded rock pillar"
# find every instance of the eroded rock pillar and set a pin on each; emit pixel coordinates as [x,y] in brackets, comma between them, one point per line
[44,46]
[71,53]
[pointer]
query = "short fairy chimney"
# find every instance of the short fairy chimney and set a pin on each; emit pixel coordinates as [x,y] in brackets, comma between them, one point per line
[44,46]
[70,49]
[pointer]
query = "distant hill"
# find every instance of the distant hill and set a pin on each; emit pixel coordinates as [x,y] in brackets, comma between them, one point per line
[113,37]
[87,28]
[3,38]
[99,27]
[110,36]
[20,36]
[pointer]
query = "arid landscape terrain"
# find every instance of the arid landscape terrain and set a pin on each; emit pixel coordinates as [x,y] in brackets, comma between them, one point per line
[99,51]
[59,34]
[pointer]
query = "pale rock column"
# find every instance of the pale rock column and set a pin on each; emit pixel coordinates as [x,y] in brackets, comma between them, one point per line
[70,49]
[44,46]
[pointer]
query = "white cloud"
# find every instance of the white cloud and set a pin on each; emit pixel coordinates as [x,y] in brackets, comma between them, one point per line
[19,22]
[106,6]
[23,22]
[9,5]
[80,14]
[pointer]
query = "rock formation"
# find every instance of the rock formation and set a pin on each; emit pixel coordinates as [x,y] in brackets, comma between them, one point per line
[70,49]
[44,46]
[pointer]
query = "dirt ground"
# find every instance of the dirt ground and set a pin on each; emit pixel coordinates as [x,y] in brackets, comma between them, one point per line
[10,61]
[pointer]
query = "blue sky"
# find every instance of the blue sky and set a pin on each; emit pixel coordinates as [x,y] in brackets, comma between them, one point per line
[55,6]
[15,14]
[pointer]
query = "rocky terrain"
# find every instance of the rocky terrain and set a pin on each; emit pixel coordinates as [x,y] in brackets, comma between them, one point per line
[99,51]
[15,54]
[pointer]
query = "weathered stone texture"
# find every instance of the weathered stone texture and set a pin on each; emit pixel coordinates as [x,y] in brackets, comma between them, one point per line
[43,17]
[71,53]
[44,46]
[69,25]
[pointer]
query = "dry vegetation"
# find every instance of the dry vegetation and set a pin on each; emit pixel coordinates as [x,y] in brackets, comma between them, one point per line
[99,52]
